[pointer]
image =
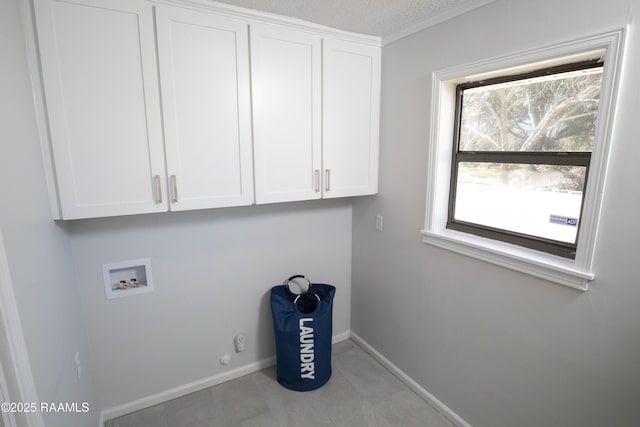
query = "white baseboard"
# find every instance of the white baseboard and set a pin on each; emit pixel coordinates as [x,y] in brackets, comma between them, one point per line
[406,379]
[341,337]
[182,390]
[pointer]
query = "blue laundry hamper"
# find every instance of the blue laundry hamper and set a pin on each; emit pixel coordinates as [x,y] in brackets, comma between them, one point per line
[302,324]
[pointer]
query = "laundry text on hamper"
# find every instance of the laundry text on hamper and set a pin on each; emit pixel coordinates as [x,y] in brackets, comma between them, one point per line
[307,365]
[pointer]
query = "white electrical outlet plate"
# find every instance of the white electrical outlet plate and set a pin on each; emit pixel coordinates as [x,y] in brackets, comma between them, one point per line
[240,341]
[78,364]
[379,219]
[225,359]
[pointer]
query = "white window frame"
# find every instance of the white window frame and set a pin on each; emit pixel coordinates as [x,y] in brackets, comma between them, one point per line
[574,273]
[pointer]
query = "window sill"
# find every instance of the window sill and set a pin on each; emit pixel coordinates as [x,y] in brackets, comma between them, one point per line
[538,264]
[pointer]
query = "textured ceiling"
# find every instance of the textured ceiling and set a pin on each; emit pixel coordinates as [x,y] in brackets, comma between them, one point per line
[374,17]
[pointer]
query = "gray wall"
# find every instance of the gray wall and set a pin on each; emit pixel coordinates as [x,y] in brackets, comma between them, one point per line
[498,347]
[212,272]
[212,269]
[38,250]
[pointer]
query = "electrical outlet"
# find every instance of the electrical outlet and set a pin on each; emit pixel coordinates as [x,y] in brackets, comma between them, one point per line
[379,219]
[225,359]
[239,341]
[78,364]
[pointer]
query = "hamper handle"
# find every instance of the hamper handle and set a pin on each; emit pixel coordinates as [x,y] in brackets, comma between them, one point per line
[297,276]
[299,295]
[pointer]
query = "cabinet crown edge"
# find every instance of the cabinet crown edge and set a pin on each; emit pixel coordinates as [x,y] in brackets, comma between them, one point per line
[256,16]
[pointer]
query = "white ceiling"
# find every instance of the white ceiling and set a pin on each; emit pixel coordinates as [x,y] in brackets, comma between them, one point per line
[384,18]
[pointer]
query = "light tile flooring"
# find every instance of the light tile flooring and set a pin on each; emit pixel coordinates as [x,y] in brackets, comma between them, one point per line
[360,393]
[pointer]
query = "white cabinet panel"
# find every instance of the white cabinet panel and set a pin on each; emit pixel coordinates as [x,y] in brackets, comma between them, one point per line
[286,113]
[204,74]
[351,106]
[281,109]
[99,70]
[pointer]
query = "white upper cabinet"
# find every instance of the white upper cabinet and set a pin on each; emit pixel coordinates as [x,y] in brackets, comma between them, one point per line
[203,107]
[286,86]
[350,118]
[315,119]
[99,70]
[204,76]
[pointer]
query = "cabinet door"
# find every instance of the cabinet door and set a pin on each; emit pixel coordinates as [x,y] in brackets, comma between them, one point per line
[285,75]
[204,75]
[351,117]
[100,80]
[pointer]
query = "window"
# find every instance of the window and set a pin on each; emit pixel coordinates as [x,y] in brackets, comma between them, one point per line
[522,149]
[517,157]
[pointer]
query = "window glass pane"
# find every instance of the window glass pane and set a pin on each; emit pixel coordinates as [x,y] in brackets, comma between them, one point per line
[549,113]
[538,200]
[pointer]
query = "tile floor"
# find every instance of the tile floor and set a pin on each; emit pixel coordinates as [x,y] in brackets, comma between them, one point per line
[360,393]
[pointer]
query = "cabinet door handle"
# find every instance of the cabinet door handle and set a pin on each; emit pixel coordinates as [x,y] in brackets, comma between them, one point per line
[158,189]
[174,189]
[317,180]
[327,180]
